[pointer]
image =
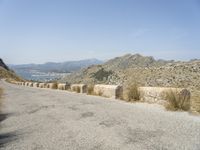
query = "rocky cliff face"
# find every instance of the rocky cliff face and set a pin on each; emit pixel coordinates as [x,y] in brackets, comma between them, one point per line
[3,65]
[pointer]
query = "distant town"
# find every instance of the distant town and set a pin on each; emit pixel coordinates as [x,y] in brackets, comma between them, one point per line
[36,75]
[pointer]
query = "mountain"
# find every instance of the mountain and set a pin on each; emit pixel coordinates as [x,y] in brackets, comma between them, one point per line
[5,72]
[68,66]
[133,61]
[144,70]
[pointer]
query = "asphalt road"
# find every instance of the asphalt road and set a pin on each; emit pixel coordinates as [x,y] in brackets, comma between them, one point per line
[44,119]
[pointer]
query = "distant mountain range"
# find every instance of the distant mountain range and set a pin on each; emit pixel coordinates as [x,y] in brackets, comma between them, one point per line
[63,67]
[51,70]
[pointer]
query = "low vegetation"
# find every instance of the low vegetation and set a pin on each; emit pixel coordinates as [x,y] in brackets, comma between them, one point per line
[102,74]
[132,93]
[177,100]
[195,101]
[9,75]
[1,93]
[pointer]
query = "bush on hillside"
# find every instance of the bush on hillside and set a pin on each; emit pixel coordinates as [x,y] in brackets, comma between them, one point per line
[102,74]
[177,100]
[132,93]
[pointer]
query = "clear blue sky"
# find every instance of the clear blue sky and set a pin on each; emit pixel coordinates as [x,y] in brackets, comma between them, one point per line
[37,31]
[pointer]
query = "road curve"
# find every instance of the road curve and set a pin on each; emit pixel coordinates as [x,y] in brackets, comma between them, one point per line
[44,119]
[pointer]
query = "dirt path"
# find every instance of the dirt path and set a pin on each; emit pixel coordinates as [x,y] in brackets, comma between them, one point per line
[44,119]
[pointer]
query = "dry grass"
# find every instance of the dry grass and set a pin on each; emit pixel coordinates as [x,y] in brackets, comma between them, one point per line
[90,90]
[9,74]
[195,101]
[76,89]
[1,93]
[132,93]
[177,100]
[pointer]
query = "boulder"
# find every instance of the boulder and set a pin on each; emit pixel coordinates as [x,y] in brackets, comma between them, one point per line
[35,84]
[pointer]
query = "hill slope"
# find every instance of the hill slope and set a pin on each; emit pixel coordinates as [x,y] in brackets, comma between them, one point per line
[145,71]
[5,72]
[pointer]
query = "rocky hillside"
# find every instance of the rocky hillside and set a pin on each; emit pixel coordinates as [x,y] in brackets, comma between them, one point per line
[5,72]
[3,65]
[143,70]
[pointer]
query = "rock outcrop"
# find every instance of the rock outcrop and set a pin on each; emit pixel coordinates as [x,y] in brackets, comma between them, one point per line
[3,65]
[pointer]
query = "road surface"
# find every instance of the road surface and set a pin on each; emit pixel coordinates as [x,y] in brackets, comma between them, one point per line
[45,119]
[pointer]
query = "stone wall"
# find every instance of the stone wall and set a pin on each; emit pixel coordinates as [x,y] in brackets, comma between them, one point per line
[158,94]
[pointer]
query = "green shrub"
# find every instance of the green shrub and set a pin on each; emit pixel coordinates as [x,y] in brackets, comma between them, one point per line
[102,74]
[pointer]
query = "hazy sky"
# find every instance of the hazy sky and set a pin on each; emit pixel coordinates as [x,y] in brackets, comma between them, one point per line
[37,31]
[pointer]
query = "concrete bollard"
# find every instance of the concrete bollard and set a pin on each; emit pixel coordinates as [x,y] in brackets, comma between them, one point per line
[42,85]
[63,86]
[26,83]
[79,88]
[52,85]
[30,84]
[110,91]
[35,84]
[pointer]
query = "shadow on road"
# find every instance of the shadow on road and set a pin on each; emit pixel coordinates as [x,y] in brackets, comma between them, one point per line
[6,137]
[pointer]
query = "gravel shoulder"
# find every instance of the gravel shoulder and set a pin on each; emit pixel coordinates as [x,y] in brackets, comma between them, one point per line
[45,119]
